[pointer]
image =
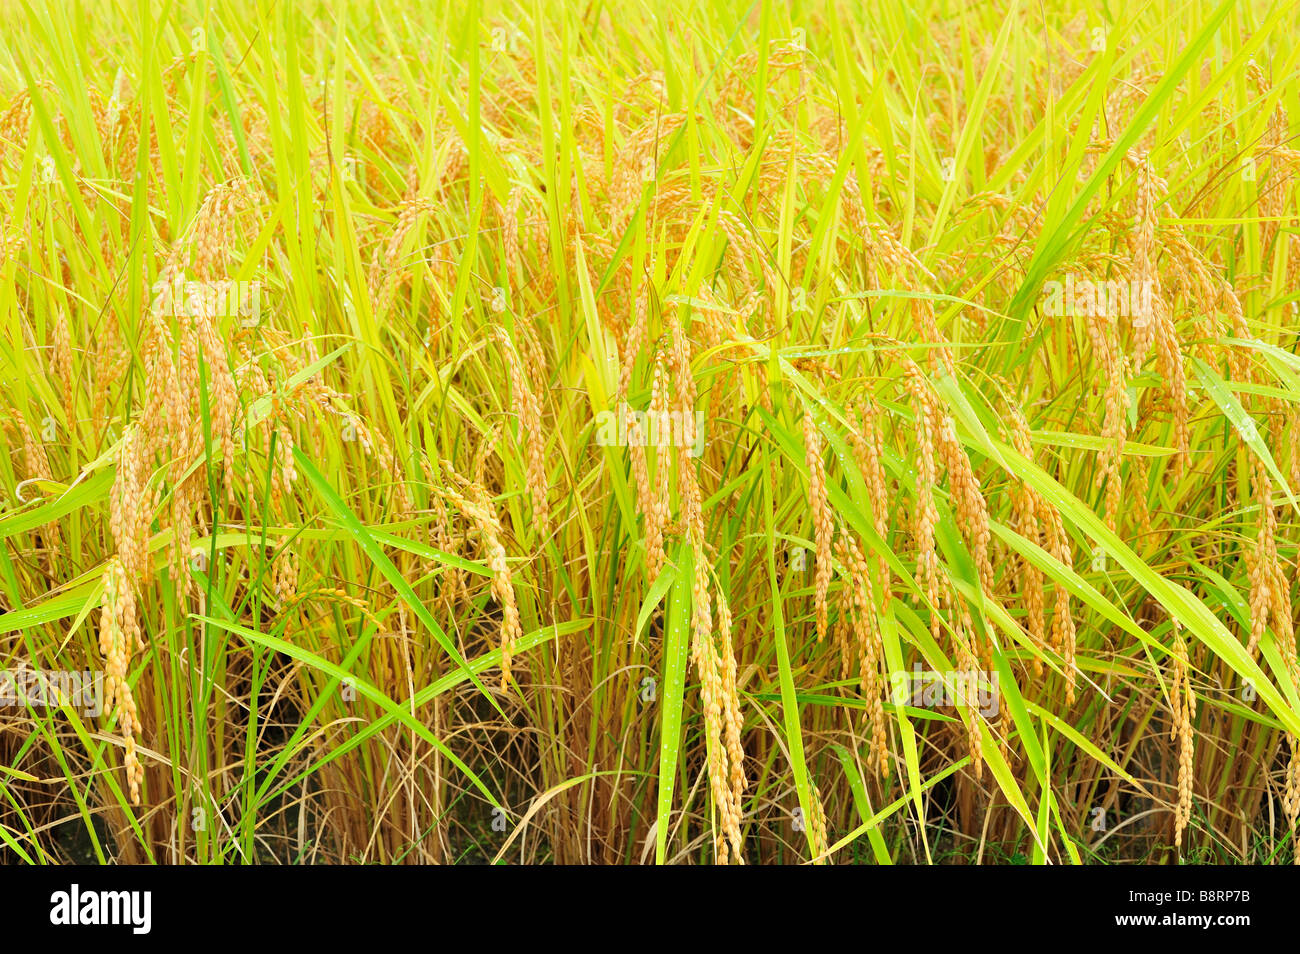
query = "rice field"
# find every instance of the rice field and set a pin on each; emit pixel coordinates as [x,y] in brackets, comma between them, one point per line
[630,433]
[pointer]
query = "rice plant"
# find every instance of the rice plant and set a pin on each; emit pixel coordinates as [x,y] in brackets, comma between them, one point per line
[649,432]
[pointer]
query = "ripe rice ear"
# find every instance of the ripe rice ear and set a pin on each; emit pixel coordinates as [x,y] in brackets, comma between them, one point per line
[823,530]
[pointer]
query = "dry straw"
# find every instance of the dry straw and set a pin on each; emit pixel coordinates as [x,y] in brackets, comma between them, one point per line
[1183,703]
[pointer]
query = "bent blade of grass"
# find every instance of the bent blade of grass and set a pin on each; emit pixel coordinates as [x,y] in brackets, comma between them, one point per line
[60,607]
[1179,601]
[1241,421]
[545,797]
[9,840]
[875,820]
[371,548]
[76,497]
[653,597]
[438,687]
[393,709]
[862,803]
[1078,738]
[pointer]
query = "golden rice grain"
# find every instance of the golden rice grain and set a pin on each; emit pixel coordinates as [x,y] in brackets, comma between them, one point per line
[531,434]
[869,454]
[476,505]
[61,361]
[926,515]
[823,530]
[713,695]
[869,647]
[817,824]
[119,636]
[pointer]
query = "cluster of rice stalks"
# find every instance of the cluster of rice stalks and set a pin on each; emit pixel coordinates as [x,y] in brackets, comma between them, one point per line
[740,436]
